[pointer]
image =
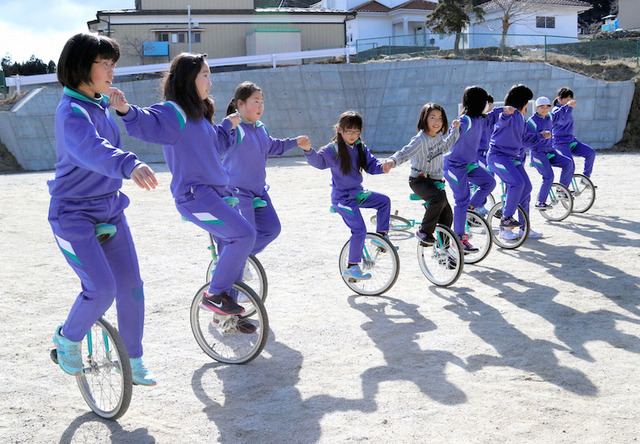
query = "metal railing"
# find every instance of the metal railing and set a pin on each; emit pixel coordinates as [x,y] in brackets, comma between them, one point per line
[514,47]
[266,59]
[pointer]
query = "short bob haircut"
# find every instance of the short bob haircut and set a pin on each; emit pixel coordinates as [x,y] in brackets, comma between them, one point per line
[424,115]
[78,55]
[518,97]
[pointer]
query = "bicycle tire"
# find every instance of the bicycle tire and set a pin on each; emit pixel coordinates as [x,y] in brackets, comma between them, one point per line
[477,228]
[561,203]
[396,223]
[382,262]
[584,193]
[441,263]
[494,225]
[102,375]
[222,341]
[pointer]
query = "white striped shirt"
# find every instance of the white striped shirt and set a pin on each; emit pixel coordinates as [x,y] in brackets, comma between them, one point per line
[426,153]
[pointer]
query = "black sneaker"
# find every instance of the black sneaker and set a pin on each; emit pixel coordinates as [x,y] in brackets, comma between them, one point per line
[543,206]
[510,222]
[426,240]
[221,303]
[498,214]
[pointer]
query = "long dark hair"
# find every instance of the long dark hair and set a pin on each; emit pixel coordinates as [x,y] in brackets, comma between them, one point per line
[424,116]
[563,93]
[243,92]
[349,120]
[474,101]
[78,55]
[180,86]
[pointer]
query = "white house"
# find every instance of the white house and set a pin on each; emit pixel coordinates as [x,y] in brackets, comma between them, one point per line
[532,21]
[402,23]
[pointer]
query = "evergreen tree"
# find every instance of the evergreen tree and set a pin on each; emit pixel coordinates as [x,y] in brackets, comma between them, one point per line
[452,16]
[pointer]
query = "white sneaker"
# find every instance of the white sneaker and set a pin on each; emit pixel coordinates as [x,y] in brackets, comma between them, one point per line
[532,234]
[509,235]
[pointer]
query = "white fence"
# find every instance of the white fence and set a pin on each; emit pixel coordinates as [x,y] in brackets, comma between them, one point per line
[273,59]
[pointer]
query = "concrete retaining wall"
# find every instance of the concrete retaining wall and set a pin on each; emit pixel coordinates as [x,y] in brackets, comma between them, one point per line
[308,100]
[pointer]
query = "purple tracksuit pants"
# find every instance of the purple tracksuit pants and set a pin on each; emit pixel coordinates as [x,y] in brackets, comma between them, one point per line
[205,207]
[543,163]
[107,272]
[516,181]
[459,178]
[349,209]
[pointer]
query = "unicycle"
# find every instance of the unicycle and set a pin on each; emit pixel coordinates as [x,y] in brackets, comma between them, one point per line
[505,237]
[379,258]
[583,192]
[254,275]
[442,262]
[221,337]
[479,235]
[105,381]
[561,202]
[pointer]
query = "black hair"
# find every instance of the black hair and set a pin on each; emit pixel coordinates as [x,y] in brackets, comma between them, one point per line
[243,92]
[79,53]
[180,86]
[349,120]
[489,98]
[518,96]
[563,93]
[474,101]
[424,115]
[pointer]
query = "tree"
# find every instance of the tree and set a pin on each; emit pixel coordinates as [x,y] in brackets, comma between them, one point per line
[512,11]
[452,16]
[31,67]
[599,9]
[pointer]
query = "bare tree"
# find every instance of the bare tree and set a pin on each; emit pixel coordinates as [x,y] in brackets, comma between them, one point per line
[132,47]
[511,12]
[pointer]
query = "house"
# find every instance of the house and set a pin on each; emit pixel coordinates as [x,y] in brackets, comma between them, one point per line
[402,21]
[611,23]
[629,14]
[532,22]
[155,31]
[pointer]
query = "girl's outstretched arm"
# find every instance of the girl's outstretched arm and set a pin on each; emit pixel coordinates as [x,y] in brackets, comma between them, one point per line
[324,158]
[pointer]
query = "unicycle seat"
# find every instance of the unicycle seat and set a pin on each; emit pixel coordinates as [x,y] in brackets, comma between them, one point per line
[259,203]
[104,232]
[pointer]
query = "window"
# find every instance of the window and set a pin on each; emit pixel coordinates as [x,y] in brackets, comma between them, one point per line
[177,37]
[195,37]
[162,37]
[545,22]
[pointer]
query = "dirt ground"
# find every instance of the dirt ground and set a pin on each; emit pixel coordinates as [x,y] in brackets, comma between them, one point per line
[538,344]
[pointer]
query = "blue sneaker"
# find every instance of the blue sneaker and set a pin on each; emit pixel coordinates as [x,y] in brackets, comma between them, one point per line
[482,211]
[354,272]
[68,353]
[140,374]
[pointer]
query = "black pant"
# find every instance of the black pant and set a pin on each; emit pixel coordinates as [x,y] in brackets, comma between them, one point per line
[438,210]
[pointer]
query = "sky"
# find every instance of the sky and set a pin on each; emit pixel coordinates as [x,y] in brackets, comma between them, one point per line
[41,27]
